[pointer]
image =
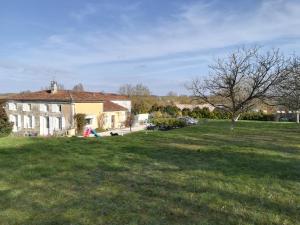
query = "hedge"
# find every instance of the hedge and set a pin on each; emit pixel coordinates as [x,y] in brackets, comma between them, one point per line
[168,122]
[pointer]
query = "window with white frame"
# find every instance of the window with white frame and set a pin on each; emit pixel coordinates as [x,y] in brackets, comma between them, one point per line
[60,123]
[89,121]
[106,119]
[43,108]
[14,120]
[26,107]
[28,121]
[12,106]
[56,108]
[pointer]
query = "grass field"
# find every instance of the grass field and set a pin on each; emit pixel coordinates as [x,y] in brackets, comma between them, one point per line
[198,175]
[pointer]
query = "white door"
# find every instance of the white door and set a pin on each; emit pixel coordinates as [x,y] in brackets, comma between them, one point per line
[14,119]
[55,124]
[44,125]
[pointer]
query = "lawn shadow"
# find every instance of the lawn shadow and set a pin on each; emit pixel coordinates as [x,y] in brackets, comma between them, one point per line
[155,178]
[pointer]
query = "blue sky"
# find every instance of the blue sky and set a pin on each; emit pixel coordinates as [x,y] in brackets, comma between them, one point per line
[106,43]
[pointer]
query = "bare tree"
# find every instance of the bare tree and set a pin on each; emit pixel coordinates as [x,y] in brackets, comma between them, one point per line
[60,86]
[129,121]
[289,88]
[78,87]
[126,89]
[137,90]
[237,82]
[172,94]
[101,120]
[141,90]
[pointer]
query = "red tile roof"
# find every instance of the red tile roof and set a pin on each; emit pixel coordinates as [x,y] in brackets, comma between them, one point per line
[67,96]
[110,107]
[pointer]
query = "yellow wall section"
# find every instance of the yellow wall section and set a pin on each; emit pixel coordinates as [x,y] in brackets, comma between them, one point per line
[89,108]
[96,109]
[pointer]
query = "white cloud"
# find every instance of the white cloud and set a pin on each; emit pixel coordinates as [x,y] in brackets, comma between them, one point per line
[22,75]
[197,28]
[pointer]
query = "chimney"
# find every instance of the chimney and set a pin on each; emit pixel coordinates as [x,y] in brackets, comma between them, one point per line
[53,87]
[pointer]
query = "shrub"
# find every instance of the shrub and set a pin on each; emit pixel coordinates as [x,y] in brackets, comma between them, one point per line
[156,108]
[221,114]
[5,125]
[185,111]
[169,122]
[201,113]
[140,107]
[156,114]
[172,110]
[80,122]
[260,116]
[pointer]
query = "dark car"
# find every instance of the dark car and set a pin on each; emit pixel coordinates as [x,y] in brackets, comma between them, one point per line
[152,127]
[189,120]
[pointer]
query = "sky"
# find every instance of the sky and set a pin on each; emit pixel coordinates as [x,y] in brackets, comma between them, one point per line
[160,43]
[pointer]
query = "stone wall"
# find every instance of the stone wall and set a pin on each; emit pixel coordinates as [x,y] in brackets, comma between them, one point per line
[66,112]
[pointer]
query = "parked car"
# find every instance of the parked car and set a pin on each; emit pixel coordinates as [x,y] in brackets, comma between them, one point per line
[151,126]
[165,128]
[189,120]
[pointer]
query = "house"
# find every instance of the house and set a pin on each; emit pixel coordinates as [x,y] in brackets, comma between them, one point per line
[52,111]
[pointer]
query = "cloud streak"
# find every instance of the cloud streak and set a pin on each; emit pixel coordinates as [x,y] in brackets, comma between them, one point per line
[197,27]
[192,32]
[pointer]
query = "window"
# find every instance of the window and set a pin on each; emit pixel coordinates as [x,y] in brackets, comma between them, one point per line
[56,108]
[18,121]
[60,123]
[15,120]
[44,108]
[26,121]
[12,106]
[89,121]
[29,122]
[47,123]
[26,107]
[106,119]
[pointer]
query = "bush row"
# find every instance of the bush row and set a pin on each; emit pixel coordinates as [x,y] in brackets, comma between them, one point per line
[206,113]
[198,113]
[260,116]
[168,122]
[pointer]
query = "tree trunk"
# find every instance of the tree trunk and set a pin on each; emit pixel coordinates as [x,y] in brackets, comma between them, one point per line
[298,116]
[232,123]
[234,119]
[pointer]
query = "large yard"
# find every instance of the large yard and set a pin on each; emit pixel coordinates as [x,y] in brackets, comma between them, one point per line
[197,175]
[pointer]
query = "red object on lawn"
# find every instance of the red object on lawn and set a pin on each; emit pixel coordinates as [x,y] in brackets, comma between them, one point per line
[87,132]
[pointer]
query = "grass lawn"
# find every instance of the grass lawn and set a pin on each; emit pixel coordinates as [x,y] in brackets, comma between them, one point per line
[205,174]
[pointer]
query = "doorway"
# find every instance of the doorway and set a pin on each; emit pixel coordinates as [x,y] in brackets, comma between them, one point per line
[113,120]
[44,125]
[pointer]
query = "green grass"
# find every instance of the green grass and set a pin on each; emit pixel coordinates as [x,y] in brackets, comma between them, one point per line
[196,175]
